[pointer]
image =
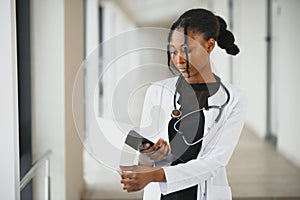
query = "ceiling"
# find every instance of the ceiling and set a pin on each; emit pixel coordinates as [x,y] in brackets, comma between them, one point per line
[158,13]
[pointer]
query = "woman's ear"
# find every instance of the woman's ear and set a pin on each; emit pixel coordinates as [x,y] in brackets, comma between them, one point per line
[210,45]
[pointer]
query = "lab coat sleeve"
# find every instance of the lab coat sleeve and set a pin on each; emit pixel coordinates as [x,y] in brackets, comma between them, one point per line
[215,156]
[148,104]
[146,121]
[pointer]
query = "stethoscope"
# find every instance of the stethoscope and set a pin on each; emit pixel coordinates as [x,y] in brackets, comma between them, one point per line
[176,113]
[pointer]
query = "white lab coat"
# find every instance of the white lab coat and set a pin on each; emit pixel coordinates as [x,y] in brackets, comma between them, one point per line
[208,170]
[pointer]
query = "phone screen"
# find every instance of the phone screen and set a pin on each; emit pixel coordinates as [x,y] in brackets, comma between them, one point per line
[135,140]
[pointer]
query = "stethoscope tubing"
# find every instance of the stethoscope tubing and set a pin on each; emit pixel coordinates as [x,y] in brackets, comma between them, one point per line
[180,118]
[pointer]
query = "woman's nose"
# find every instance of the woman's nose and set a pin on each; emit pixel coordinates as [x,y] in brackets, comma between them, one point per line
[180,59]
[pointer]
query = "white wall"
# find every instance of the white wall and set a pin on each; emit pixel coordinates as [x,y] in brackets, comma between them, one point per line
[47,70]
[9,129]
[121,36]
[288,91]
[92,52]
[115,22]
[57,52]
[250,69]
[220,59]
[250,65]
[92,26]
[101,182]
[73,57]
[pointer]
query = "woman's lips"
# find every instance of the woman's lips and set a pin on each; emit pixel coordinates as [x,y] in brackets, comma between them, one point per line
[182,69]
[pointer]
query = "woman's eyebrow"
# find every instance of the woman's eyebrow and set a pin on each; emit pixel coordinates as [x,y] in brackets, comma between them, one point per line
[189,45]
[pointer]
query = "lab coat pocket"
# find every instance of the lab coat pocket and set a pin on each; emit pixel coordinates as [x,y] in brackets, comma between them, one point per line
[221,192]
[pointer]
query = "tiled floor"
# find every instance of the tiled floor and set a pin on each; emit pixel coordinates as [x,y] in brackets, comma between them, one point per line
[256,171]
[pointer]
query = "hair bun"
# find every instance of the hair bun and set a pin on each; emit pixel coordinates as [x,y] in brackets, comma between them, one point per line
[225,38]
[233,50]
[226,41]
[222,23]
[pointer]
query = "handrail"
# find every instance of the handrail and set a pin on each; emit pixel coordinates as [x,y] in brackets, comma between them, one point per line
[44,160]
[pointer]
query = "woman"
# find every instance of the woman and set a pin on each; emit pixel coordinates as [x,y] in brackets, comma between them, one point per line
[196,143]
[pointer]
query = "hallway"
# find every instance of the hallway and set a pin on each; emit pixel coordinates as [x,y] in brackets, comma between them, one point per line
[64,65]
[256,171]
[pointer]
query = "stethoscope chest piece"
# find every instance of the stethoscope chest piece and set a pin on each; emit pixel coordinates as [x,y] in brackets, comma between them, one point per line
[176,113]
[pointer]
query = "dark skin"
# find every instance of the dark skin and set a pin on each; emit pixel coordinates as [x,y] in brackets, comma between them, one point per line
[157,152]
[199,50]
[135,178]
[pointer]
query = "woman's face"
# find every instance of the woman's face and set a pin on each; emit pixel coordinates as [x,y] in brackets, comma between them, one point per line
[198,52]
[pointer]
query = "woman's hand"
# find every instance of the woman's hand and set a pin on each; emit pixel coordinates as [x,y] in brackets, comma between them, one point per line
[157,152]
[135,178]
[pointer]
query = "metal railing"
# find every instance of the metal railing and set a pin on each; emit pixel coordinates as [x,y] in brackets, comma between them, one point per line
[44,160]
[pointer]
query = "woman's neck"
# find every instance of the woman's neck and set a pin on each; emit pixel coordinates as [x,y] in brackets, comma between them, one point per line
[206,76]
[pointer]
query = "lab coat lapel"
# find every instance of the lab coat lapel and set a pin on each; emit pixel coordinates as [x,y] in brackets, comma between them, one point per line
[211,114]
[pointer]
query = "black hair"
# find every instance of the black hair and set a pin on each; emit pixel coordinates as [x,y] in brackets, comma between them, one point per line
[212,26]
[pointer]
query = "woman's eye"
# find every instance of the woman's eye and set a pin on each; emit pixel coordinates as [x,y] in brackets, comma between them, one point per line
[189,50]
[174,52]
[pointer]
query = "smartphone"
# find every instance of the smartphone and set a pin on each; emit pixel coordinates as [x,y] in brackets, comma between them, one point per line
[135,140]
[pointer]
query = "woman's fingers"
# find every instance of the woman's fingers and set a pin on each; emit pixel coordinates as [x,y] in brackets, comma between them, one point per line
[130,188]
[128,175]
[130,182]
[127,181]
[127,170]
[167,149]
[162,152]
[138,178]
[158,151]
[158,144]
[144,148]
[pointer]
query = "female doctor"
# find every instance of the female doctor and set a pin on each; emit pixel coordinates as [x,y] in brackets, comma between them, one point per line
[200,121]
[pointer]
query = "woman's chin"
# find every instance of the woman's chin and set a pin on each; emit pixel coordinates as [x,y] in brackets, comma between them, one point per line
[184,74]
